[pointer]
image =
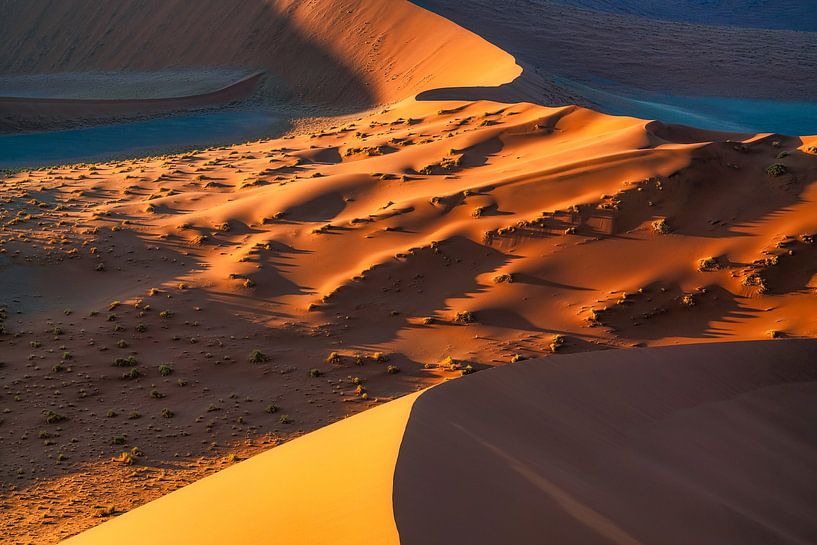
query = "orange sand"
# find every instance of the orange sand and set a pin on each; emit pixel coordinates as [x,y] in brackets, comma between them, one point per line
[448,236]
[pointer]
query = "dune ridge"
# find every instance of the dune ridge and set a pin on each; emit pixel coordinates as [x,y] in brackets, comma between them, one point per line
[616,447]
[24,114]
[229,299]
[347,52]
[326,487]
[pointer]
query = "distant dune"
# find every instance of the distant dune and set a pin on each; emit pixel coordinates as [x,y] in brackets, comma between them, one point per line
[343,52]
[684,66]
[24,113]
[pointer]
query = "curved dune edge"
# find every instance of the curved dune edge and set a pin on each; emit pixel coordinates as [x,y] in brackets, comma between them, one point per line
[710,443]
[340,52]
[21,113]
[330,486]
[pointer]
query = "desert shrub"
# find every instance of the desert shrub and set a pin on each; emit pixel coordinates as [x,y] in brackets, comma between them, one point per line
[380,357]
[776,169]
[465,317]
[130,361]
[53,417]
[132,373]
[334,358]
[256,356]
[125,458]
[708,264]
[165,370]
[661,226]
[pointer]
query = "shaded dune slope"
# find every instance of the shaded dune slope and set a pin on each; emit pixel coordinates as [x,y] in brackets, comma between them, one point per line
[696,72]
[18,113]
[340,52]
[702,444]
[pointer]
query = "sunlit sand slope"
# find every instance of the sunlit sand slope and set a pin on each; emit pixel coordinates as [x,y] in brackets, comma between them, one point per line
[332,486]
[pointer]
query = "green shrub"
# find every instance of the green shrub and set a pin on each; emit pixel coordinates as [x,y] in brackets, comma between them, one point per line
[776,169]
[256,356]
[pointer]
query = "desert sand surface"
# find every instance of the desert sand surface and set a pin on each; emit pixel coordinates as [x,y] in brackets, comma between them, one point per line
[22,113]
[616,447]
[326,487]
[166,316]
[703,444]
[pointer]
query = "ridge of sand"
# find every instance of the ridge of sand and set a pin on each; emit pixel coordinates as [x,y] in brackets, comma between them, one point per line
[616,447]
[341,52]
[331,486]
[26,113]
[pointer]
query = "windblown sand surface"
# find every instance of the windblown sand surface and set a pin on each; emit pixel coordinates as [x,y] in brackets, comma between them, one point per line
[164,316]
[695,444]
[19,114]
[704,444]
[327,487]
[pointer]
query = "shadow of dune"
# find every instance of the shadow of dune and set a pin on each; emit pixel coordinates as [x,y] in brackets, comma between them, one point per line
[382,301]
[60,36]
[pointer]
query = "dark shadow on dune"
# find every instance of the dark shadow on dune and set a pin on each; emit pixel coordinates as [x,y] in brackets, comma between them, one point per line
[609,447]
[381,302]
[658,314]
[82,35]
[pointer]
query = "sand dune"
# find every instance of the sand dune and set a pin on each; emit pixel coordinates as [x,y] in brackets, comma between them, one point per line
[162,314]
[331,486]
[702,444]
[695,444]
[23,113]
[341,52]
[447,236]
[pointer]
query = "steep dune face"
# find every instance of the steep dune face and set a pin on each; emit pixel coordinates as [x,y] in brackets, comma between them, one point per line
[704,444]
[351,52]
